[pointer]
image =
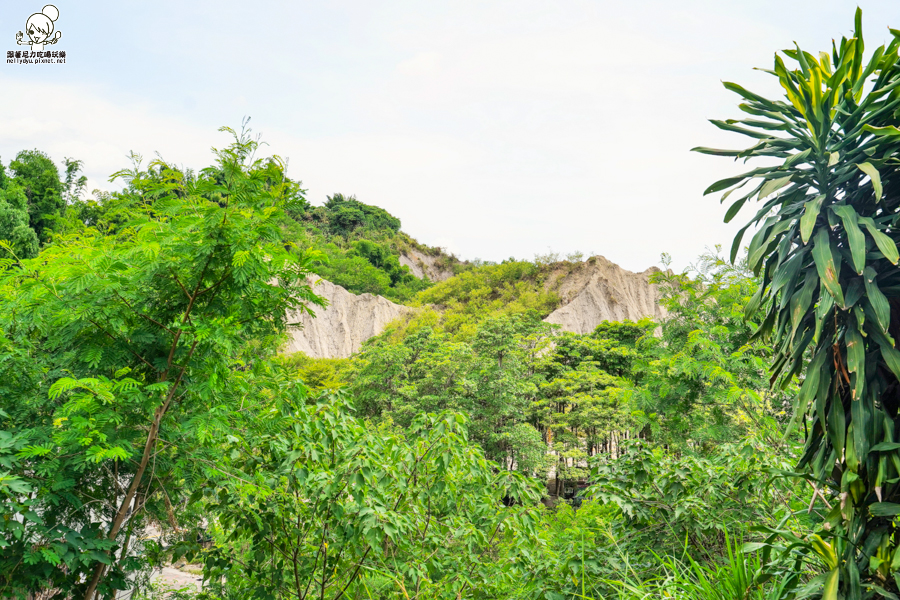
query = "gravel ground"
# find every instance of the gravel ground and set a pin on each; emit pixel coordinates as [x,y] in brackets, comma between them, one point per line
[176,578]
[172,579]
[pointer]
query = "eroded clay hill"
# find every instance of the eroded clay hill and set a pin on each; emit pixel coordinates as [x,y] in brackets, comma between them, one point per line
[421,265]
[598,290]
[340,329]
[591,292]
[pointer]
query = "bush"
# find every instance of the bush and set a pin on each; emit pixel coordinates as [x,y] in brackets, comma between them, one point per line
[320,495]
[677,504]
[342,215]
[492,290]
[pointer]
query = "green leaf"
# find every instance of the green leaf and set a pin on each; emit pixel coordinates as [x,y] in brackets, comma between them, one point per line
[877,299]
[726,126]
[716,152]
[800,156]
[884,509]
[808,389]
[885,244]
[33,517]
[826,303]
[885,447]
[837,422]
[722,184]
[824,550]
[854,292]
[748,95]
[830,590]
[889,131]
[736,243]
[240,258]
[787,272]
[61,386]
[861,421]
[890,354]
[751,547]
[824,260]
[757,252]
[734,209]
[872,172]
[854,235]
[856,357]
[773,185]
[100,557]
[810,213]
[801,301]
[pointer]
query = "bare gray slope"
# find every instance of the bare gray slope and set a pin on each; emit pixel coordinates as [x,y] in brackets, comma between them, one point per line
[339,330]
[594,291]
[421,264]
[598,290]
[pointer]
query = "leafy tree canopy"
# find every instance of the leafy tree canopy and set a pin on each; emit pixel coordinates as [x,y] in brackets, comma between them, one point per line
[14,224]
[343,215]
[123,355]
[39,179]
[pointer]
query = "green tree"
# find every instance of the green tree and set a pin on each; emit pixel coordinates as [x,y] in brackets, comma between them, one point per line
[676,504]
[489,380]
[345,214]
[14,227]
[369,264]
[325,502]
[702,380]
[353,272]
[38,177]
[74,183]
[825,249]
[583,382]
[382,258]
[513,287]
[124,359]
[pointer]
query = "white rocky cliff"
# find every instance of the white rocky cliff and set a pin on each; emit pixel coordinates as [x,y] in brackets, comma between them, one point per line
[421,264]
[594,291]
[339,330]
[599,290]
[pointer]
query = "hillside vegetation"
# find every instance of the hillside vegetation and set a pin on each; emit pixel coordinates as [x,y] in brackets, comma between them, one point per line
[742,446]
[142,389]
[361,246]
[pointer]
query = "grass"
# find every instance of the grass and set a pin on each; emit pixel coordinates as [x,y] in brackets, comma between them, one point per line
[687,579]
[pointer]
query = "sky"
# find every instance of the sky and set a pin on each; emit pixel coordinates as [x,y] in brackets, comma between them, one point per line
[492,129]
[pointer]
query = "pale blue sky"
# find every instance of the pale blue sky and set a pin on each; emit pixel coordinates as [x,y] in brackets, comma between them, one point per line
[495,129]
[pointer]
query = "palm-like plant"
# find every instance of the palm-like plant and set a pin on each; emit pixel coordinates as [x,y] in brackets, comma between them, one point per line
[825,251]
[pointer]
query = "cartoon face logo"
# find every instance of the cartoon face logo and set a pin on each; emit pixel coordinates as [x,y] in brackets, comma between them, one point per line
[40,29]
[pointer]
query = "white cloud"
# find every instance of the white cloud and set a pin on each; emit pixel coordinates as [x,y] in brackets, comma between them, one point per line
[65,120]
[423,64]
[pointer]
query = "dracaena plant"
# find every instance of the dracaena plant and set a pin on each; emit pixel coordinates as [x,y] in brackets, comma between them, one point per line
[829,287]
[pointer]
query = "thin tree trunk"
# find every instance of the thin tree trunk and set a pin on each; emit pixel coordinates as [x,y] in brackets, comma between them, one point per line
[126,502]
[149,446]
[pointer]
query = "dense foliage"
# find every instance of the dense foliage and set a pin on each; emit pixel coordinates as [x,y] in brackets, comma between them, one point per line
[140,393]
[324,503]
[471,450]
[14,220]
[342,216]
[122,354]
[488,380]
[508,288]
[690,382]
[361,247]
[708,380]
